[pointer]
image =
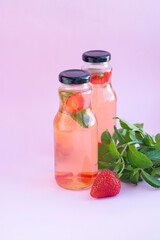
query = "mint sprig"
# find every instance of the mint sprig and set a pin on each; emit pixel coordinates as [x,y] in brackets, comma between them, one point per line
[131,153]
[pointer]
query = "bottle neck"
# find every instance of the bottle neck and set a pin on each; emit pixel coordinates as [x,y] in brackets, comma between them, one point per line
[75,88]
[100,73]
[97,67]
[74,98]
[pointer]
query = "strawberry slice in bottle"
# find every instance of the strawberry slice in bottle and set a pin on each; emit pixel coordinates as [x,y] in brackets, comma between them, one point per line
[63,174]
[74,103]
[87,177]
[100,77]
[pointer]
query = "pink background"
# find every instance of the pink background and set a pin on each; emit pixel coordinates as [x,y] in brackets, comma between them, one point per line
[38,39]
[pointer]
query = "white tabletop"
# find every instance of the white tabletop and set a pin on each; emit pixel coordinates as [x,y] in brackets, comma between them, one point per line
[34,207]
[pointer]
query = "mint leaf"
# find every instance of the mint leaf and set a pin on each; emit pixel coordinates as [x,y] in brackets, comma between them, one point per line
[145,149]
[139,125]
[138,159]
[113,150]
[153,155]
[103,150]
[150,179]
[64,96]
[126,135]
[105,159]
[136,137]
[131,137]
[129,167]
[157,145]
[105,165]
[119,136]
[157,138]
[114,137]
[156,172]
[104,154]
[126,125]
[82,117]
[125,176]
[148,140]
[134,176]
[106,137]
[139,137]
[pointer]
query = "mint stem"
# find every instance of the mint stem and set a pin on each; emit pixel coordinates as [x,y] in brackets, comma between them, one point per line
[121,146]
[125,146]
[123,166]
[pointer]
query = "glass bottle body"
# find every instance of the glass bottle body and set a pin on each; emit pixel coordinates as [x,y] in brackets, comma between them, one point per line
[103,99]
[75,137]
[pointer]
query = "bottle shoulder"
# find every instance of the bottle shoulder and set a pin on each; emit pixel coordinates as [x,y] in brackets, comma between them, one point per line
[113,92]
[103,93]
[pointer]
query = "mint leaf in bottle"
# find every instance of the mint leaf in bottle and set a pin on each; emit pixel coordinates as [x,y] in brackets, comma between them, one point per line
[82,117]
[64,96]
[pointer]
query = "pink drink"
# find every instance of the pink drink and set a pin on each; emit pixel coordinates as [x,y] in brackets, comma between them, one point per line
[75,137]
[103,100]
[104,104]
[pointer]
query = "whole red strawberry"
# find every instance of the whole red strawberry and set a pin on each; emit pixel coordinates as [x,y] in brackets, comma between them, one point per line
[105,185]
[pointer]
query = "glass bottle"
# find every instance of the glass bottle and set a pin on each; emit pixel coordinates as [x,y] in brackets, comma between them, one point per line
[104,100]
[75,132]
